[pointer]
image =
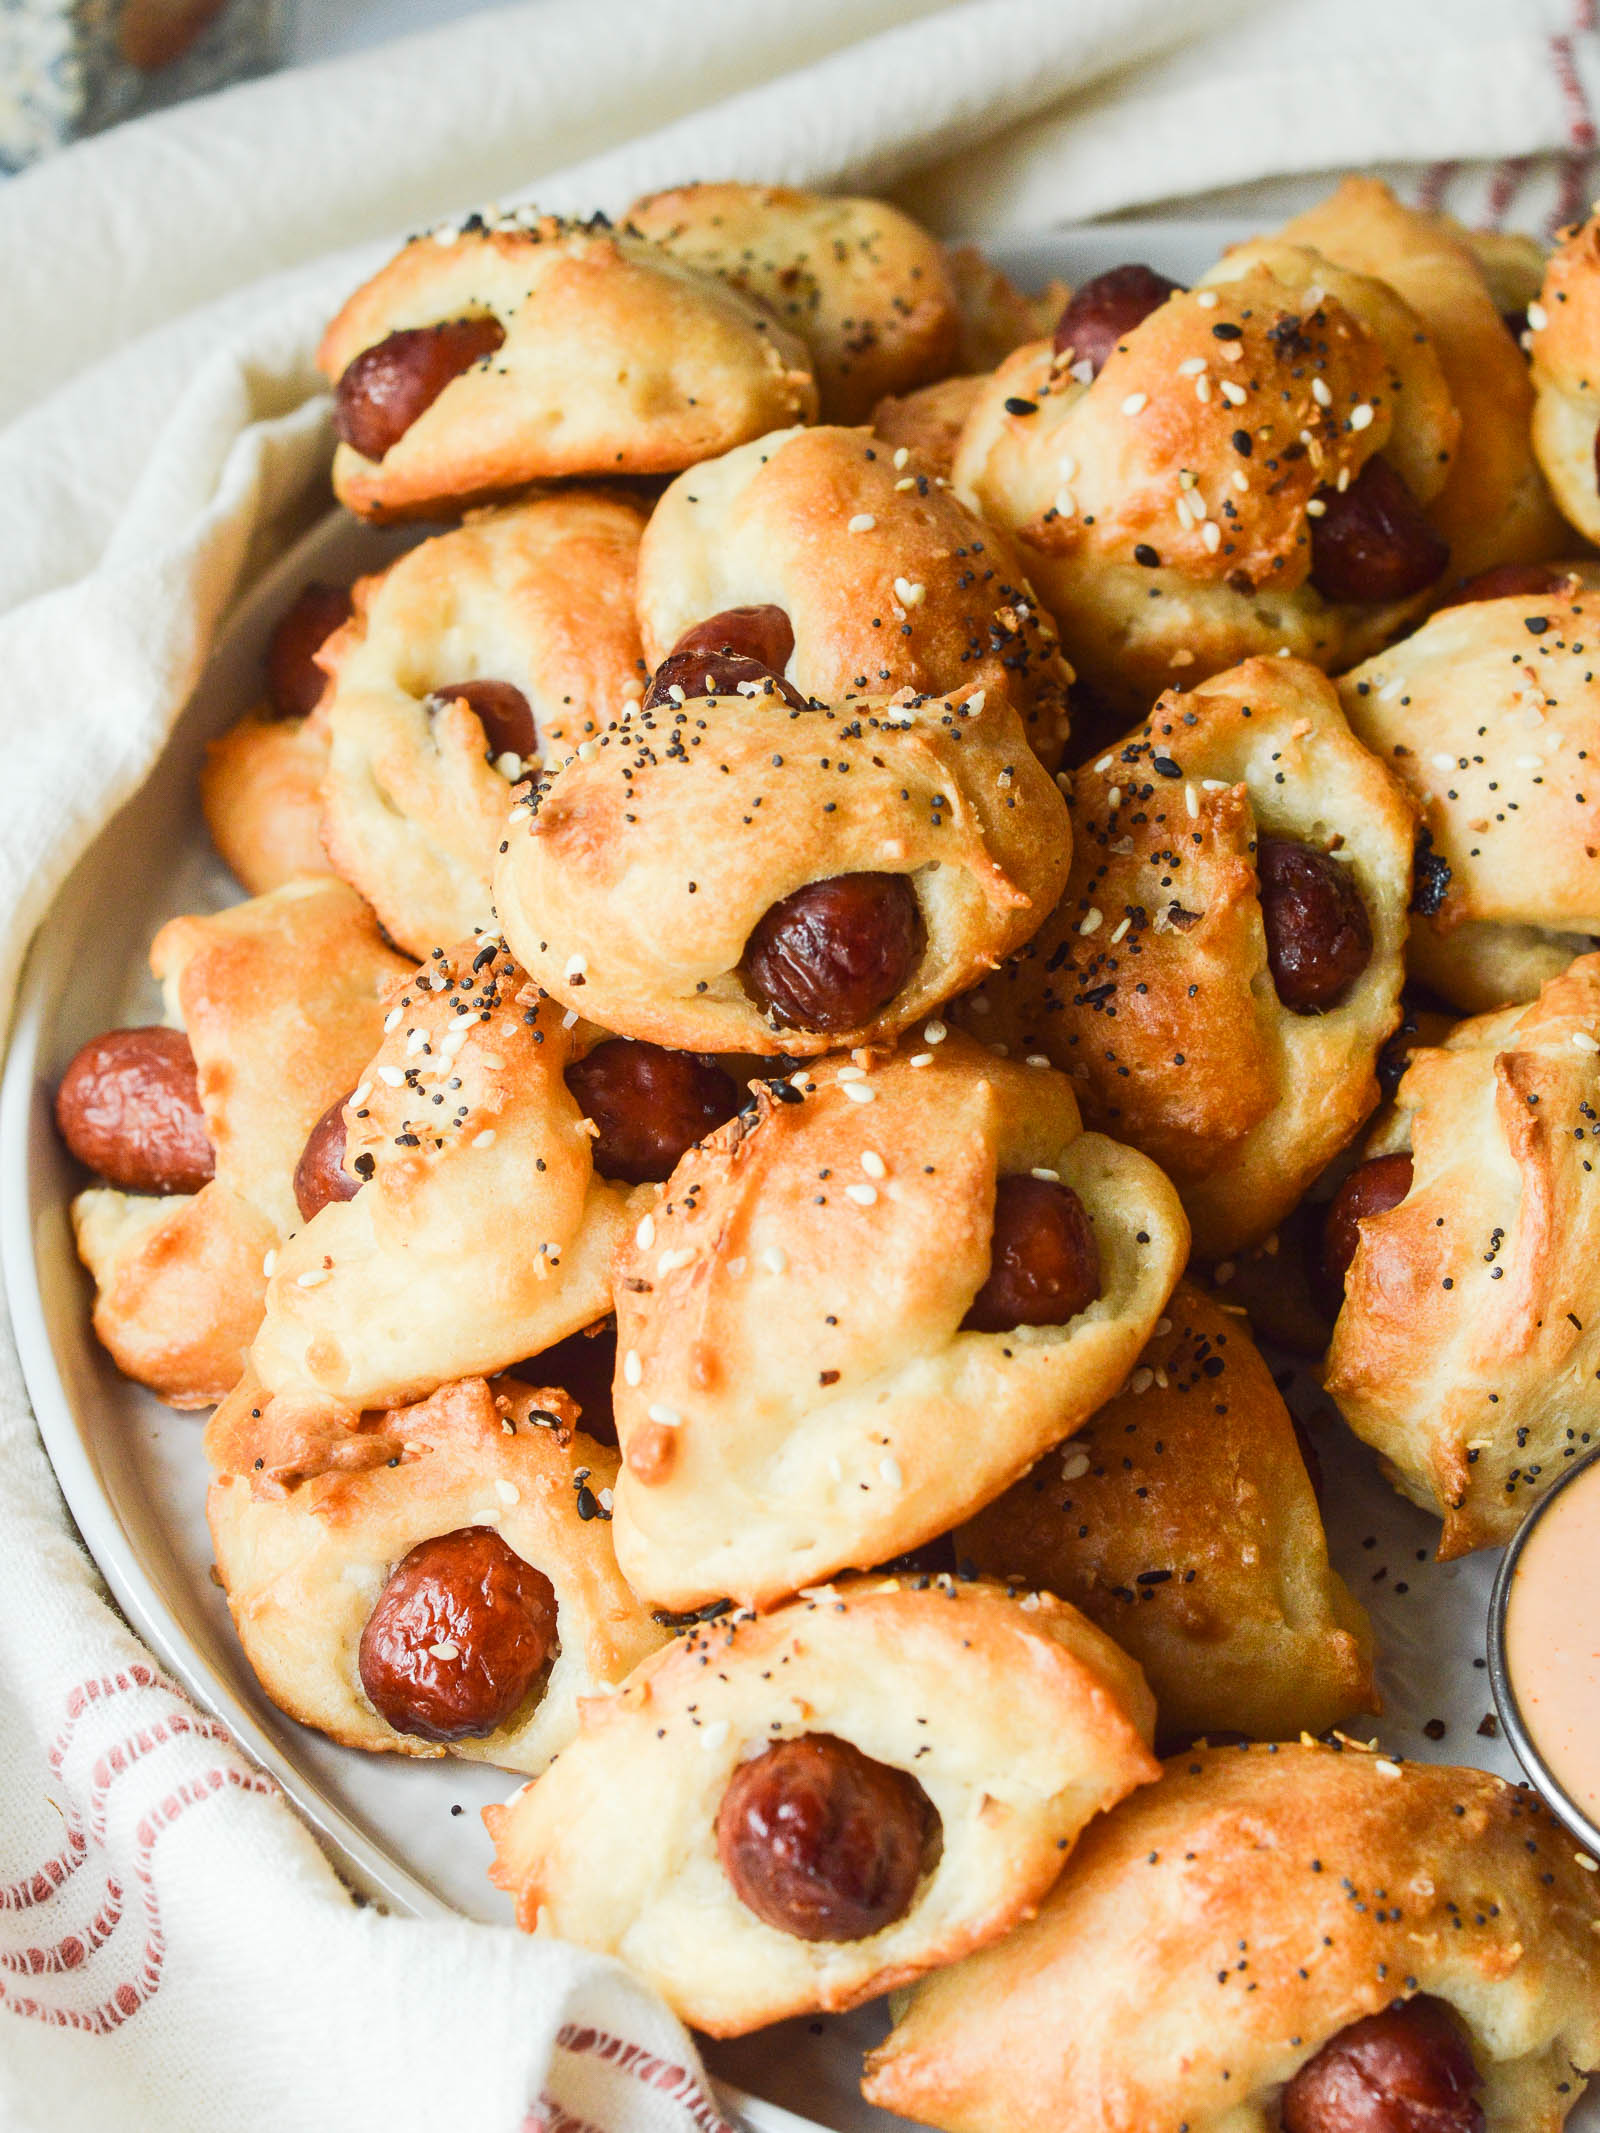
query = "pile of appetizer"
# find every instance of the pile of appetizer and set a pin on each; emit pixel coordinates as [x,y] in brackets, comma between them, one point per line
[902,871]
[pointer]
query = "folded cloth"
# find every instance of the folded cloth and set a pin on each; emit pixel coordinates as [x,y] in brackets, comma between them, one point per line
[174,1951]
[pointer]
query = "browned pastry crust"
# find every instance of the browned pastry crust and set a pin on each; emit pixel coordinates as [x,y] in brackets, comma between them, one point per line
[261,792]
[1564,341]
[303,1571]
[796,1393]
[1211,1934]
[1488,715]
[281,1001]
[1165,549]
[634,874]
[888,581]
[1468,1347]
[481,1235]
[539,595]
[927,424]
[862,285]
[1182,1520]
[1149,982]
[1020,1721]
[997,316]
[1494,506]
[617,359]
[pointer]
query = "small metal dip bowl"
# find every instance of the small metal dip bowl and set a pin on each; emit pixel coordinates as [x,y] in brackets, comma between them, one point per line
[1512,1724]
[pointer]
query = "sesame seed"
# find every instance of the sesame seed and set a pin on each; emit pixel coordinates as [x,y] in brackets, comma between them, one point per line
[1135,403]
[1235,395]
[671,1262]
[859,1092]
[863,1195]
[775,1259]
[485,1139]
[269,1265]
[359,1095]
[392,1020]
[1320,392]
[908,593]
[873,1164]
[1036,1059]
[313,1278]
[1191,801]
[1142,1380]
[890,1470]
[901,456]
[1202,388]
[1104,764]
[1211,536]
[1538,317]
[1590,1866]
[1385,1768]
[934,1033]
[1092,920]
[576,966]
[1074,1466]
[1361,417]
[713,1736]
[444,1649]
[645,1235]
[1065,504]
[1045,1174]
[668,1417]
[508,1492]
[1206,299]
[391,1077]
[863,522]
[1191,366]
[1584,1042]
[632,1368]
[922,1059]
[1120,929]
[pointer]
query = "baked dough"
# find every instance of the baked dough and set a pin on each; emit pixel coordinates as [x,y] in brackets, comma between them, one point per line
[1489,715]
[1494,506]
[634,874]
[281,1002]
[928,423]
[617,359]
[261,792]
[796,1393]
[1020,1721]
[539,595]
[997,316]
[1165,549]
[862,285]
[1182,1520]
[1215,1931]
[1564,344]
[888,581]
[302,1572]
[1468,1347]
[481,1235]
[1149,983]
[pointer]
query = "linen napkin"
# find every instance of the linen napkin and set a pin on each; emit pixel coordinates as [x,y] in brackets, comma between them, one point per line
[175,1952]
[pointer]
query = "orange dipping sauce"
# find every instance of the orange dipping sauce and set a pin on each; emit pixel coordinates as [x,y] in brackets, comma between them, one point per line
[1552,1638]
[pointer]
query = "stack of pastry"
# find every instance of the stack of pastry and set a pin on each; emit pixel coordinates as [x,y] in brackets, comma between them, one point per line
[893,878]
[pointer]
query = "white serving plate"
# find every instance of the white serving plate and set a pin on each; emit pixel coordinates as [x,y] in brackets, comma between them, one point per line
[408,1833]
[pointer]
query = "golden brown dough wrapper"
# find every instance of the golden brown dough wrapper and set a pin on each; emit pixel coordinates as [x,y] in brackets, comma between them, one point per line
[927,424]
[281,999]
[1468,1347]
[261,793]
[303,1572]
[1164,547]
[538,595]
[617,359]
[862,285]
[1182,1520]
[481,1234]
[1020,1721]
[997,316]
[1564,344]
[1494,506]
[889,582]
[797,1395]
[1211,1934]
[1149,983]
[636,871]
[1489,715]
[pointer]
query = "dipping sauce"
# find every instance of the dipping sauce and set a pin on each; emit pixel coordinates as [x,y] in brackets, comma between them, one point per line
[1552,1637]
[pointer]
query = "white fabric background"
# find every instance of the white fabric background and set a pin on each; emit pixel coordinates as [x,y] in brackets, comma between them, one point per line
[174,1954]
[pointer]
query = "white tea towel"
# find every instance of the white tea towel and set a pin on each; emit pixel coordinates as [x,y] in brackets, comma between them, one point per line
[174,1952]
